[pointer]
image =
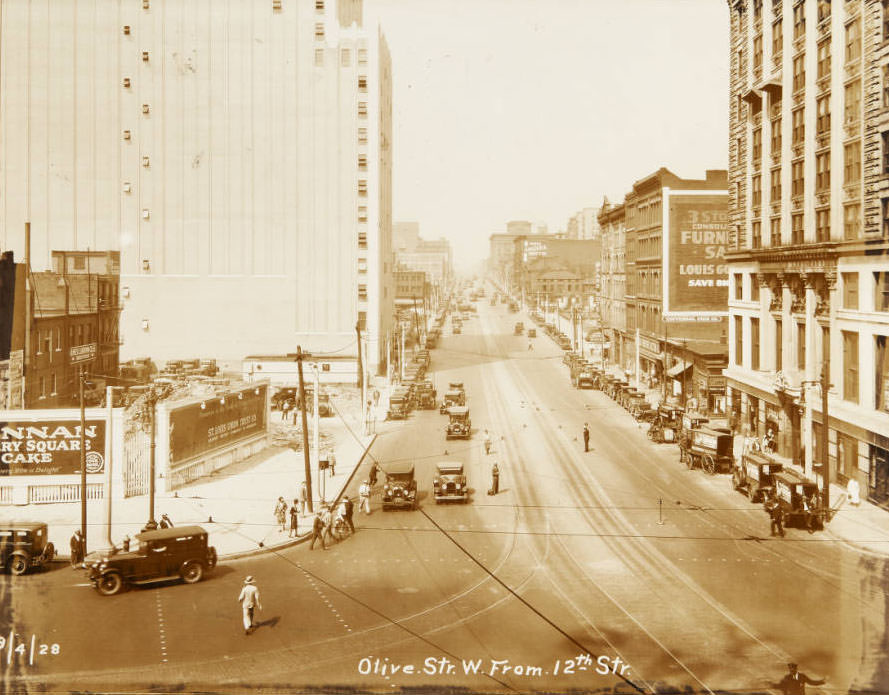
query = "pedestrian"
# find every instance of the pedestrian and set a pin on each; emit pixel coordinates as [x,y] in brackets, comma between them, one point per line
[794,683]
[285,408]
[331,459]
[294,520]
[495,480]
[294,414]
[165,521]
[810,507]
[586,437]
[317,532]
[77,549]
[327,520]
[530,345]
[372,477]
[376,398]
[487,442]
[281,513]
[853,490]
[303,497]
[364,496]
[773,509]
[249,600]
[125,544]
[348,510]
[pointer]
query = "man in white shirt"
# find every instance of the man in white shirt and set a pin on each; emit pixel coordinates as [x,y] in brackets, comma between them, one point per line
[249,600]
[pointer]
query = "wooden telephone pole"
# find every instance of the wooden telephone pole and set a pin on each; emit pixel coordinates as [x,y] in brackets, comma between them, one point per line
[300,356]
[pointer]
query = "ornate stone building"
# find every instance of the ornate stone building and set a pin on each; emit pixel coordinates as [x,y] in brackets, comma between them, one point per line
[809,271]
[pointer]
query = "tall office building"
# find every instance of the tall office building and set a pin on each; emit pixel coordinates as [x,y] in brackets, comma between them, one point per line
[809,274]
[237,153]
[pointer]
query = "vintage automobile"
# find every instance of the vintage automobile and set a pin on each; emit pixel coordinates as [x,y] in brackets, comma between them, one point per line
[708,449]
[585,377]
[400,488]
[398,404]
[425,395]
[793,493]
[449,482]
[626,396]
[666,424]
[519,328]
[154,556]
[459,423]
[755,475]
[23,545]
[513,306]
[456,328]
[641,409]
[564,342]
[452,398]
[532,332]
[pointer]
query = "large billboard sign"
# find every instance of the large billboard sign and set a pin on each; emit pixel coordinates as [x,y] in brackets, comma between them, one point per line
[696,235]
[50,447]
[201,427]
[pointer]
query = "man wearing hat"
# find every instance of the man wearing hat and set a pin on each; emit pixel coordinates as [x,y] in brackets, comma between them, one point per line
[794,683]
[364,497]
[77,549]
[249,600]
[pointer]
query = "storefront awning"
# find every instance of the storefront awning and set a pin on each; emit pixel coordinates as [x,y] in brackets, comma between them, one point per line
[678,369]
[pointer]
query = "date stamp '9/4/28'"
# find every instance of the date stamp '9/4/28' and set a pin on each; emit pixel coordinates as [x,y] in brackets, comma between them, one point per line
[13,647]
[443,666]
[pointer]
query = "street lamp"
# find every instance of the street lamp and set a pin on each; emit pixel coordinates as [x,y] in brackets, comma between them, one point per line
[151,398]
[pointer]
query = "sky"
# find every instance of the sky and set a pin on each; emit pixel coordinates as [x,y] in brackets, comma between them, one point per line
[534,109]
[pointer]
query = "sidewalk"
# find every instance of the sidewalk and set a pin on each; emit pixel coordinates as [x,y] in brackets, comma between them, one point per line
[235,504]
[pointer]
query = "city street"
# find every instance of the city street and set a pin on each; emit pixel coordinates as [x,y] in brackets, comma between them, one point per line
[587,570]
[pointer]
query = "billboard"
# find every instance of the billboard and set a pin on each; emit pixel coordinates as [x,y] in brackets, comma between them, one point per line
[201,427]
[50,447]
[696,235]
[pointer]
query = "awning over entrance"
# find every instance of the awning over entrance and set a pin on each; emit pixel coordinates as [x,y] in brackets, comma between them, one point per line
[678,369]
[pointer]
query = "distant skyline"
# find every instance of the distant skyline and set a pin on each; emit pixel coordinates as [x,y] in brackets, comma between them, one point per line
[534,109]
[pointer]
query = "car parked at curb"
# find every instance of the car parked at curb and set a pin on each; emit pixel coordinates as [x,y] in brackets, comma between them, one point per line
[23,545]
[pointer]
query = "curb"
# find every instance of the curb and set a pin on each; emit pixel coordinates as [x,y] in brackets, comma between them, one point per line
[301,538]
[855,546]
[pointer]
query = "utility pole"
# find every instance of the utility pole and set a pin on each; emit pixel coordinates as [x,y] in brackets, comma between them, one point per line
[300,356]
[401,357]
[825,437]
[360,365]
[151,524]
[82,461]
[664,319]
[316,433]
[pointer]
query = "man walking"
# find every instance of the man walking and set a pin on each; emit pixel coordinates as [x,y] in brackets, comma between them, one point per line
[773,509]
[317,532]
[794,683]
[77,549]
[364,497]
[285,407]
[495,480]
[348,510]
[294,520]
[303,497]
[487,442]
[249,600]
[586,437]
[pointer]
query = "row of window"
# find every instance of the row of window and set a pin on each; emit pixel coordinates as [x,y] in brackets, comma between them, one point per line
[49,340]
[852,226]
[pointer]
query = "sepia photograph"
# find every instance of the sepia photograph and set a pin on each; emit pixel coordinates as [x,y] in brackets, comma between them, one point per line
[444,346]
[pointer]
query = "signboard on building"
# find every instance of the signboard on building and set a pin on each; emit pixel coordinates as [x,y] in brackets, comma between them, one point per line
[50,447]
[696,235]
[82,353]
[201,427]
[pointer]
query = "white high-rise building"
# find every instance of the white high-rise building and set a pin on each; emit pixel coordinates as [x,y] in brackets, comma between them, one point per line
[236,152]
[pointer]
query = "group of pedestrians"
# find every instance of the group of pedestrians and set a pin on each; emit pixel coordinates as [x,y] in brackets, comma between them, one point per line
[283,513]
[331,523]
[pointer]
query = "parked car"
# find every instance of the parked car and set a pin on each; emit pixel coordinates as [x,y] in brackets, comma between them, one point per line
[519,328]
[170,553]
[449,482]
[23,545]
[532,332]
[400,489]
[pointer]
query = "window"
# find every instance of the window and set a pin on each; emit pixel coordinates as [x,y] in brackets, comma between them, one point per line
[822,175]
[362,109]
[881,291]
[779,344]
[823,10]
[797,182]
[881,372]
[362,240]
[756,234]
[853,41]
[319,57]
[58,339]
[852,221]
[319,5]
[800,346]
[885,139]
[799,20]
[754,344]
[362,56]
[46,338]
[754,287]
[757,52]
[775,231]
[362,162]
[362,84]
[43,387]
[53,384]
[885,20]
[799,127]
[756,186]
[799,72]
[853,101]
[850,366]
[362,136]
[739,340]
[797,234]
[319,30]
[850,291]
[886,86]
[776,185]
[824,59]
[345,57]
[777,37]
[757,144]
[362,188]
[822,225]
[847,457]
[822,125]
[739,286]
[776,137]
[757,10]
[852,158]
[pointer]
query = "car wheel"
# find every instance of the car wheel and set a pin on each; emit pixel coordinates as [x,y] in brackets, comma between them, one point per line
[212,558]
[109,584]
[192,572]
[49,552]
[18,565]
[709,464]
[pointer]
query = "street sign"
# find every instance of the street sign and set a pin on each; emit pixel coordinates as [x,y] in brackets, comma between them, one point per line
[82,353]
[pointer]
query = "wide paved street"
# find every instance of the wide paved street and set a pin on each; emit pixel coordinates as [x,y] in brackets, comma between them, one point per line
[511,592]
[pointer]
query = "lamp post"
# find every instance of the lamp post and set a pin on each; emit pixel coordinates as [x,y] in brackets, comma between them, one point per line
[151,399]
